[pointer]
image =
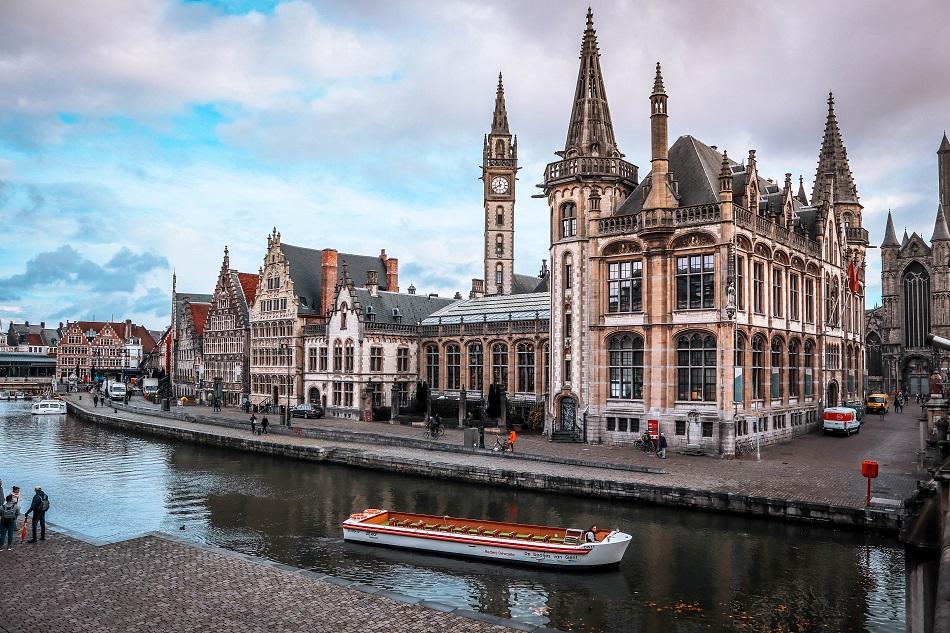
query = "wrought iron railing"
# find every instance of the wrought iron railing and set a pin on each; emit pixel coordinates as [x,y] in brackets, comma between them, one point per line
[590,166]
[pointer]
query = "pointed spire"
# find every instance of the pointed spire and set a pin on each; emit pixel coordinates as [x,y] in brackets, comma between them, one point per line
[941,232]
[890,236]
[658,88]
[944,145]
[725,174]
[499,124]
[943,173]
[905,239]
[801,191]
[591,132]
[833,164]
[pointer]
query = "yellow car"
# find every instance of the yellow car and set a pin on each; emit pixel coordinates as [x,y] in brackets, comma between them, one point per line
[876,403]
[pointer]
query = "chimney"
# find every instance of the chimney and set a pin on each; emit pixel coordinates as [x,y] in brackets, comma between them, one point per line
[478,289]
[458,295]
[372,282]
[392,274]
[128,328]
[26,323]
[328,277]
[43,324]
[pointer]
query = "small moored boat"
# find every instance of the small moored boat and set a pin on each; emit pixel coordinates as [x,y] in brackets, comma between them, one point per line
[48,407]
[496,540]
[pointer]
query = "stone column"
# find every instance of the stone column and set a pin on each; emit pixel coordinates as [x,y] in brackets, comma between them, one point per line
[394,403]
[463,407]
[503,409]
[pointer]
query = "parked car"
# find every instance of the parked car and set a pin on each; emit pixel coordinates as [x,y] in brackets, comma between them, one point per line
[877,402]
[308,411]
[842,420]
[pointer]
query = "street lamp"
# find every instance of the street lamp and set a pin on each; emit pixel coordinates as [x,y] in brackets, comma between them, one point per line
[285,349]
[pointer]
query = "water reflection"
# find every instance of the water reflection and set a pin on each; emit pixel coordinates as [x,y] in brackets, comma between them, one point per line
[685,570]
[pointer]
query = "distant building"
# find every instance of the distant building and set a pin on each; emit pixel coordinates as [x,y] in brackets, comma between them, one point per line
[183,380]
[32,338]
[189,352]
[89,349]
[915,295]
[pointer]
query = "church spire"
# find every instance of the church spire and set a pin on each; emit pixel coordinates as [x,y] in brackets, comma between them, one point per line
[941,232]
[499,124]
[833,165]
[801,191]
[943,173]
[591,132]
[890,236]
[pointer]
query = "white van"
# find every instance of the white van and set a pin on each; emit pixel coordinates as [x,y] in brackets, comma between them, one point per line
[840,420]
[115,391]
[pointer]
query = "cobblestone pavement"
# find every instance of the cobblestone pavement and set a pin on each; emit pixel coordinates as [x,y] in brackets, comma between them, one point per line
[811,468]
[155,584]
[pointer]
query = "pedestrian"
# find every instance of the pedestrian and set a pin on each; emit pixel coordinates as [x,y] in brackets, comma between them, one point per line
[512,438]
[253,424]
[9,512]
[39,507]
[880,412]
[264,425]
[95,400]
[661,446]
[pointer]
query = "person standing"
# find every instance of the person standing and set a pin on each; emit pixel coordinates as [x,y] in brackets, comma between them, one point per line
[9,512]
[512,438]
[264,425]
[39,506]
[95,400]
[253,424]
[661,446]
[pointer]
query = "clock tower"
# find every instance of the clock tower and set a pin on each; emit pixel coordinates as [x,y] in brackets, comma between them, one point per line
[499,166]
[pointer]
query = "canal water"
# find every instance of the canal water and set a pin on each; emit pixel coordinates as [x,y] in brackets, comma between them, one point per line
[685,571]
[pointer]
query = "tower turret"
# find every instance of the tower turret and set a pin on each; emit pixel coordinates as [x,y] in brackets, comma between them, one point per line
[943,173]
[499,167]
[661,194]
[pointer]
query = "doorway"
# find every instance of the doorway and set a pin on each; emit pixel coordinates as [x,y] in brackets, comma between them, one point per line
[568,414]
[313,397]
[832,400]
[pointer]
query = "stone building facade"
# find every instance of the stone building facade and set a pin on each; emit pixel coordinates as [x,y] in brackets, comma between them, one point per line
[95,348]
[296,287]
[226,341]
[915,299]
[190,378]
[366,354]
[707,299]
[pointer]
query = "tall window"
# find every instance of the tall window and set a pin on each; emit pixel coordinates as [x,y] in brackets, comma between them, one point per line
[758,360]
[499,274]
[793,295]
[740,282]
[758,287]
[626,366]
[809,368]
[738,384]
[625,286]
[337,394]
[568,325]
[343,316]
[525,354]
[312,359]
[499,364]
[568,273]
[832,304]
[348,357]
[809,300]
[778,291]
[547,367]
[568,219]
[432,366]
[338,356]
[499,216]
[777,368]
[402,359]
[794,360]
[376,358]
[347,394]
[695,282]
[453,367]
[696,367]
[476,363]
[499,245]
[874,362]
[916,305]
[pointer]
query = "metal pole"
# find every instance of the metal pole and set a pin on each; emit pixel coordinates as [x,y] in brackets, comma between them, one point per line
[287,411]
[758,448]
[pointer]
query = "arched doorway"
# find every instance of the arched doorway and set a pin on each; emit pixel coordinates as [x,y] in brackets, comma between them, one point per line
[832,399]
[314,396]
[916,378]
[567,414]
[275,395]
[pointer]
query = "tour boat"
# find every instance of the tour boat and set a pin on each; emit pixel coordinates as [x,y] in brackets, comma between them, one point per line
[48,407]
[508,542]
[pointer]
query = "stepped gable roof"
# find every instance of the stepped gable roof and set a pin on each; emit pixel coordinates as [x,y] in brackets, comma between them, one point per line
[411,309]
[695,166]
[199,314]
[524,307]
[306,271]
[525,284]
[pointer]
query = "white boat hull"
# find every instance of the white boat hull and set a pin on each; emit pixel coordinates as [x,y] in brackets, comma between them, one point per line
[48,407]
[609,551]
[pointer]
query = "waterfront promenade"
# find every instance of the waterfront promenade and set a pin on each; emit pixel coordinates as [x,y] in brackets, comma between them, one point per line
[154,584]
[813,478]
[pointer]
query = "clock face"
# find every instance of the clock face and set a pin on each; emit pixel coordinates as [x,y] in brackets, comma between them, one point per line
[499,184]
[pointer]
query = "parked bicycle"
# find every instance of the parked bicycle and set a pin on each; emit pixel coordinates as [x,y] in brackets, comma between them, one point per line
[744,447]
[501,445]
[434,428]
[644,444]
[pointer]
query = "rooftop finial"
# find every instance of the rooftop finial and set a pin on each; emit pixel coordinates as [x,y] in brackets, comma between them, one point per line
[658,88]
[499,123]
[590,18]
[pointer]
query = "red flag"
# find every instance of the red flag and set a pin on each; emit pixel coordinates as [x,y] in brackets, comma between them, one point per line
[853,278]
[23,531]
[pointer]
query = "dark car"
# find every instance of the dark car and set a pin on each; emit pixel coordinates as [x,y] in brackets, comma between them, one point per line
[309,411]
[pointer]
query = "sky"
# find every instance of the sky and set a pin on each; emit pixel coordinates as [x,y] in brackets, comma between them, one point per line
[138,137]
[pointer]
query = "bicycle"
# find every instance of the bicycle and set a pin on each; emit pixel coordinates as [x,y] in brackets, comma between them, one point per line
[744,447]
[501,445]
[646,447]
[434,430]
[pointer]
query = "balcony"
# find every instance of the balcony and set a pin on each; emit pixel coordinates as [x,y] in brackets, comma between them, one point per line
[767,228]
[856,235]
[482,328]
[590,166]
[660,219]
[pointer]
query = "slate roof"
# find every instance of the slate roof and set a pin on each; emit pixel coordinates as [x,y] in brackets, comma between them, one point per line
[940,226]
[306,271]
[47,336]
[411,308]
[890,236]
[523,307]
[525,284]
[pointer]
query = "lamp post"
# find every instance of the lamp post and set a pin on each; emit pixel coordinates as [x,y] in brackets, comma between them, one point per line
[285,348]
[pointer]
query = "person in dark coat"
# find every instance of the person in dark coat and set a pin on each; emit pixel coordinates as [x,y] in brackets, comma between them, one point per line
[95,400]
[661,446]
[253,424]
[264,425]
[38,507]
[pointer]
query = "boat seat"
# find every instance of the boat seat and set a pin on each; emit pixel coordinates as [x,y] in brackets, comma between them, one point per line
[475,530]
[539,537]
[556,539]
[417,524]
[443,528]
[490,533]
[430,526]
[507,534]
[570,540]
[460,528]
[403,523]
[524,536]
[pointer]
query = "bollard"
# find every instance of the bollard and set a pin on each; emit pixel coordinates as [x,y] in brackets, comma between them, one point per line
[869,469]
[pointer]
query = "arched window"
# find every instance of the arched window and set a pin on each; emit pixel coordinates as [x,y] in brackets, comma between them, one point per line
[874,363]
[758,364]
[499,245]
[696,367]
[432,366]
[778,368]
[547,367]
[499,216]
[525,357]
[476,363]
[809,370]
[568,273]
[499,364]
[626,366]
[794,361]
[499,274]
[343,316]
[738,389]
[453,367]
[568,219]
[916,305]
[499,149]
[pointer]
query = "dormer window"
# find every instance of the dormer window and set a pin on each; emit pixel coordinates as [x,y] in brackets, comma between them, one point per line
[397,317]
[370,315]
